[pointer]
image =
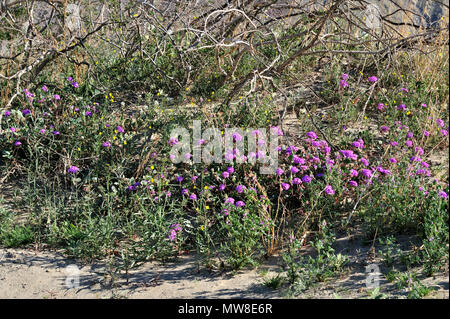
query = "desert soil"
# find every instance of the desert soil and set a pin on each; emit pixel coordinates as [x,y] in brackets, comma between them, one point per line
[44,275]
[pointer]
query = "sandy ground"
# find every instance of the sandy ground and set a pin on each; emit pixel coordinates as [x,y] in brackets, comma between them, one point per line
[29,274]
[44,275]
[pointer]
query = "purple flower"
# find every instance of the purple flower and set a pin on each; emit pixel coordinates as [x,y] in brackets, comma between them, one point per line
[194,178]
[298,160]
[134,186]
[179,179]
[184,191]
[26,112]
[225,175]
[440,122]
[364,161]
[419,150]
[45,88]
[176,227]
[56,97]
[73,169]
[172,235]
[366,172]
[230,170]
[201,142]
[393,143]
[343,84]
[425,164]
[240,204]
[444,132]
[311,135]
[55,133]
[7,113]
[229,200]
[12,129]
[294,170]
[106,144]
[423,172]
[239,189]
[401,107]
[353,183]
[384,129]
[279,171]
[276,130]
[409,143]
[70,79]
[296,181]
[28,94]
[75,84]
[404,90]
[423,105]
[229,156]
[329,190]
[237,137]
[373,79]
[285,186]
[173,141]
[193,197]
[42,131]
[393,160]
[88,113]
[358,144]
[344,76]
[381,106]
[17,143]
[443,194]
[222,187]
[349,154]
[306,179]
[426,133]
[409,135]
[354,172]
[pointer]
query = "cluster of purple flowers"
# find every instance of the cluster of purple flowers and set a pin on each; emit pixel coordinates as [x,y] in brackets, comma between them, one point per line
[343,82]
[73,82]
[174,230]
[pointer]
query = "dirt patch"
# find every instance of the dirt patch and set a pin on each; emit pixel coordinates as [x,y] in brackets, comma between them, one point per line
[44,274]
[29,274]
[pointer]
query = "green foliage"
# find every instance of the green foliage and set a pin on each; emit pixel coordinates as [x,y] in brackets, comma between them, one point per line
[242,228]
[303,272]
[11,234]
[274,282]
